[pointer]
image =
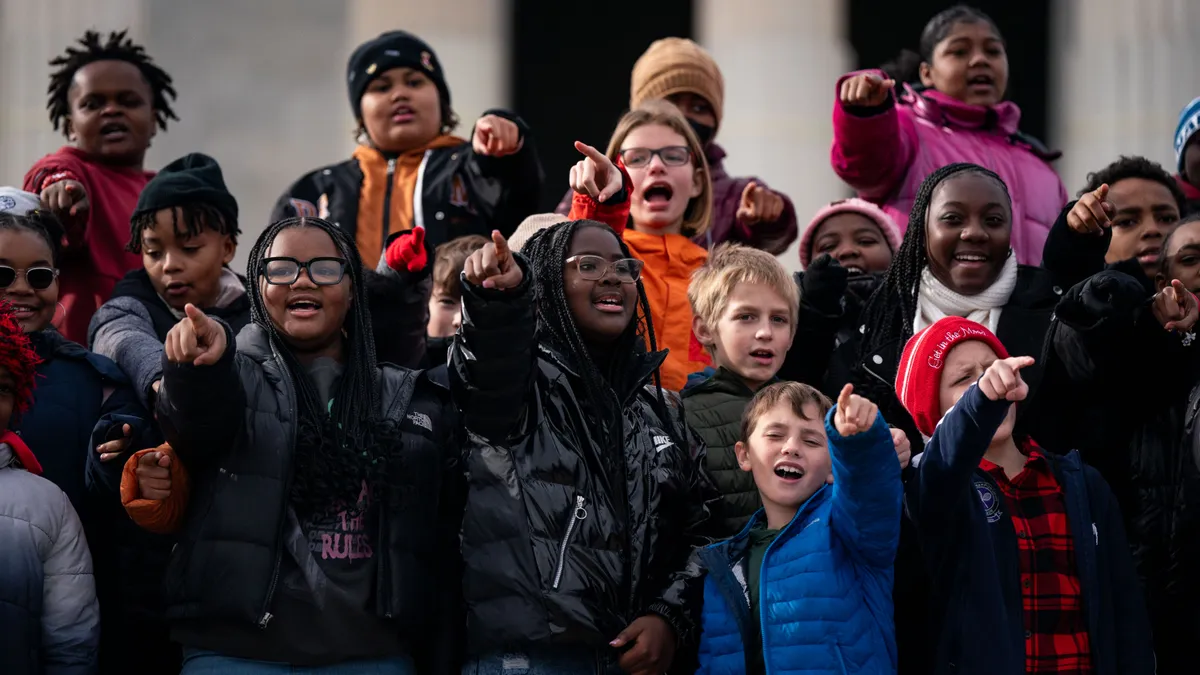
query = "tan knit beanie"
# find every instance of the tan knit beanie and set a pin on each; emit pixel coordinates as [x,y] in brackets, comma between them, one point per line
[531,226]
[674,66]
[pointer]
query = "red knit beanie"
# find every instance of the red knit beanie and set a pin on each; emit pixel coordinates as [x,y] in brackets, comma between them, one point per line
[920,374]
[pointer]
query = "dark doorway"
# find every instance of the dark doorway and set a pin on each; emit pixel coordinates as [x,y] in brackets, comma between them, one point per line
[570,71]
[879,29]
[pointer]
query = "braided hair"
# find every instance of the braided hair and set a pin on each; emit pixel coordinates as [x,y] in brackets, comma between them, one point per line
[41,222]
[117,47]
[889,313]
[346,443]
[547,252]
[187,220]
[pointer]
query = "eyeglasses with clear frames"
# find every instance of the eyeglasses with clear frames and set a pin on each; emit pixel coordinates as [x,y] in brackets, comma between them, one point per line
[38,278]
[672,155]
[595,268]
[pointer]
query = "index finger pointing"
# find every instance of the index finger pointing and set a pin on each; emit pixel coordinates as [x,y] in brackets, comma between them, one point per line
[591,152]
[502,250]
[844,397]
[1019,362]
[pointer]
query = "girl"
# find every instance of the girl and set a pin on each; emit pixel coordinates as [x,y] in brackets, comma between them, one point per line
[886,140]
[668,202]
[109,99]
[47,595]
[1187,154]
[321,531]
[84,401]
[408,170]
[585,488]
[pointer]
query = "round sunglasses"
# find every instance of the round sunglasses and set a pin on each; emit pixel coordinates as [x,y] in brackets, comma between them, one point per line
[38,278]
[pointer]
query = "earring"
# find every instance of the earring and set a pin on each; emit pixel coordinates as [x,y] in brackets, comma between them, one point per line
[58,306]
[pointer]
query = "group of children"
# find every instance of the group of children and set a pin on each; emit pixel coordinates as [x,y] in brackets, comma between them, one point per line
[429,430]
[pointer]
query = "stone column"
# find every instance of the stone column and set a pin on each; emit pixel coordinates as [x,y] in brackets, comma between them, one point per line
[780,59]
[1123,71]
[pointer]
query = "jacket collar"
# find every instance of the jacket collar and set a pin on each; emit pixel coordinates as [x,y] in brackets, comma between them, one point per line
[929,104]
[643,366]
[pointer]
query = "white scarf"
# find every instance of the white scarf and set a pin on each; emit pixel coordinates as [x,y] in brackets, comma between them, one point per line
[935,301]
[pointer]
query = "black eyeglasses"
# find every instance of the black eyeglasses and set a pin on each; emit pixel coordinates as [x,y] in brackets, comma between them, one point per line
[38,278]
[594,268]
[672,155]
[322,271]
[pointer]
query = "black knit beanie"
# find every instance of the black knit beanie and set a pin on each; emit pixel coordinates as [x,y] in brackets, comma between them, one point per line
[192,179]
[394,49]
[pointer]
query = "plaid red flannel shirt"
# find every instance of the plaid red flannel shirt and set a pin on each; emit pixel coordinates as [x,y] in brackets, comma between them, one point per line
[1056,637]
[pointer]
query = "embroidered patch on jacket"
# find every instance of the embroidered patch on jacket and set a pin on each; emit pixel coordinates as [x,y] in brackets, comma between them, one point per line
[427,61]
[989,499]
[303,208]
[422,420]
[458,193]
[662,443]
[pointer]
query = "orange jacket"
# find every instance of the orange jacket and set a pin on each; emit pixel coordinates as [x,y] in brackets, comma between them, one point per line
[669,262]
[160,517]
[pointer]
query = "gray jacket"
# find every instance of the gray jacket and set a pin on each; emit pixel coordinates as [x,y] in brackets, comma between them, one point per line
[49,619]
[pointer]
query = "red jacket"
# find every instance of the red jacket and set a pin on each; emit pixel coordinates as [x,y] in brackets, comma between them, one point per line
[94,256]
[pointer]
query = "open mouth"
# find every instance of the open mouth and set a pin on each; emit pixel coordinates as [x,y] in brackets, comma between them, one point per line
[788,471]
[612,303]
[23,312]
[303,307]
[981,81]
[970,259]
[854,269]
[402,113]
[658,194]
[114,131]
[1148,256]
[177,288]
[763,356]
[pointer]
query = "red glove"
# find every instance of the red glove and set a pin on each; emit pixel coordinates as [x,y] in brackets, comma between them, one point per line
[407,251]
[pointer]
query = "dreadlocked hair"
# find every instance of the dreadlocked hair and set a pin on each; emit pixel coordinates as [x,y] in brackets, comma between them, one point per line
[187,219]
[41,222]
[18,357]
[546,252]
[889,313]
[347,443]
[117,47]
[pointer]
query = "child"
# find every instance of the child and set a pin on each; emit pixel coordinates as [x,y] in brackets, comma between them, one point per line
[1180,257]
[745,210]
[744,304]
[1124,212]
[1032,569]
[109,99]
[445,304]
[408,170]
[808,584]
[667,203]
[47,595]
[1187,155]
[346,560]
[585,490]
[886,140]
[185,227]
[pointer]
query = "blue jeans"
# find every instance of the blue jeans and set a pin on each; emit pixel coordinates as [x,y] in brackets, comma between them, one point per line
[544,662]
[201,662]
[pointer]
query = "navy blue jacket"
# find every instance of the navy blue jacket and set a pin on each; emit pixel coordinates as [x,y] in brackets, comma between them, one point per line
[970,548]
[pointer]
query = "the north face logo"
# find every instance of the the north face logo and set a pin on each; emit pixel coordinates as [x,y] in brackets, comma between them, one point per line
[422,420]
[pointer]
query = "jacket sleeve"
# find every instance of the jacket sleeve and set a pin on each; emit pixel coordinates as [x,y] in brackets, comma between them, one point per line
[939,489]
[808,358]
[614,212]
[1070,256]
[872,147]
[158,516]
[494,356]
[775,236]
[520,174]
[120,408]
[399,302]
[70,614]
[300,199]
[867,492]
[123,331]
[201,408]
[61,166]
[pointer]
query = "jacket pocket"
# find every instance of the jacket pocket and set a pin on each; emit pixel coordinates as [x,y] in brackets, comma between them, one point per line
[578,514]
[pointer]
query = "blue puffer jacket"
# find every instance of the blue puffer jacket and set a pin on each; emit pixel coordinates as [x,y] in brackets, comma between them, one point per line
[825,603]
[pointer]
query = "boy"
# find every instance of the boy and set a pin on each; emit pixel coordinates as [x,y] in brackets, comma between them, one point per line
[109,99]
[185,227]
[744,306]
[445,303]
[1187,155]
[47,593]
[1033,571]
[1124,212]
[808,586]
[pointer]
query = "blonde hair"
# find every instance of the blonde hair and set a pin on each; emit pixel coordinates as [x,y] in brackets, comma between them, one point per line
[732,264]
[698,215]
[796,395]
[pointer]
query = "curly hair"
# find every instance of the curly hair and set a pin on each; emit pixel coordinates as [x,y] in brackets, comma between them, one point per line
[347,442]
[1135,167]
[547,253]
[188,220]
[18,357]
[117,47]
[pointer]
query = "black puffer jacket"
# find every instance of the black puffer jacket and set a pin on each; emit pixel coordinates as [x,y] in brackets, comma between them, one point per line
[566,541]
[234,425]
[1127,394]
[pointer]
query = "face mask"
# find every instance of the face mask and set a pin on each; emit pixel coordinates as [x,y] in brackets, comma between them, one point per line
[704,132]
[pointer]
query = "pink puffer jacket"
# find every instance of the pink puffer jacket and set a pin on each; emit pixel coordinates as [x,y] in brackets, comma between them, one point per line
[886,155]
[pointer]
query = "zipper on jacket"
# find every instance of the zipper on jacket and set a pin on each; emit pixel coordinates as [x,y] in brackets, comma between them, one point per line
[387,202]
[578,514]
[265,619]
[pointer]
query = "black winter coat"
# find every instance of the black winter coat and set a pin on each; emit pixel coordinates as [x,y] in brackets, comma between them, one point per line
[234,425]
[1128,396]
[567,540]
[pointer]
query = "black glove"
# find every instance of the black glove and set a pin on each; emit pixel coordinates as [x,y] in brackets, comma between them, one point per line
[824,285]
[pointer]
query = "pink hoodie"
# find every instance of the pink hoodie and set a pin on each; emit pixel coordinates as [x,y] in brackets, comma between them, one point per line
[885,157]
